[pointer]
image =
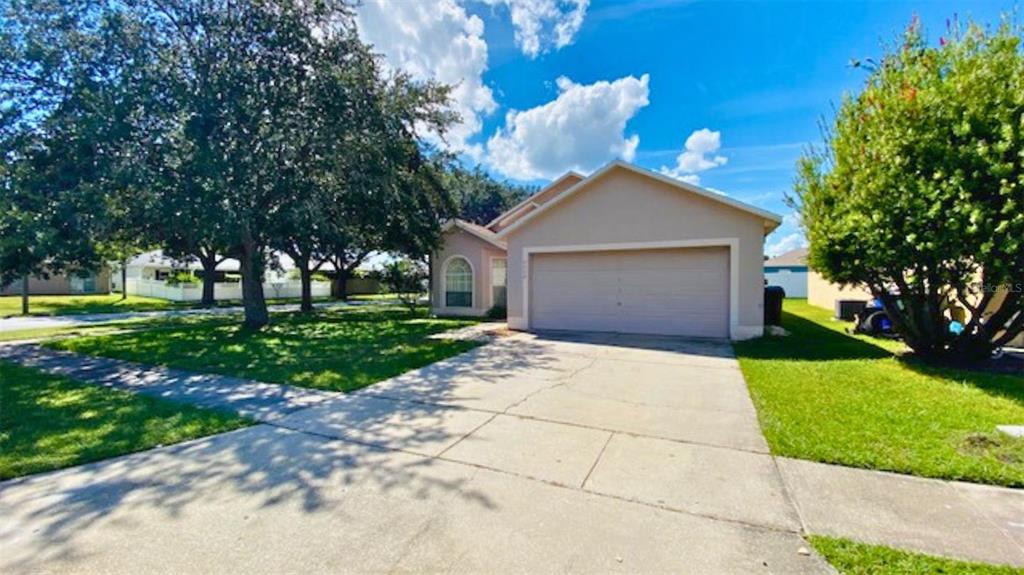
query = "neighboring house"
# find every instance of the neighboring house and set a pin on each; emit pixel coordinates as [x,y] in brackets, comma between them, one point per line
[825,294]
[155,265]
[788,271]
[71,283]
[147,275]
[622,250]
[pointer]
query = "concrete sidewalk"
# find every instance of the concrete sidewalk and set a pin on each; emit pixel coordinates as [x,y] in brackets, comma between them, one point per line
[950,518]
[253,399]
[19,323]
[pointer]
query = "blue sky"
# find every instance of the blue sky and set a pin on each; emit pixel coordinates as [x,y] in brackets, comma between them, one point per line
[551,85]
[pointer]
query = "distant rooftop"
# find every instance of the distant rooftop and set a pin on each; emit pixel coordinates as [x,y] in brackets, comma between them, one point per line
[797,257]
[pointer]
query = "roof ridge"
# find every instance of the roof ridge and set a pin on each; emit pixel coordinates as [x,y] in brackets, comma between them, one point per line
[532,196]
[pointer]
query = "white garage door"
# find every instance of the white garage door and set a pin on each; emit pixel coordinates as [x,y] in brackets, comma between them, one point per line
[673,292]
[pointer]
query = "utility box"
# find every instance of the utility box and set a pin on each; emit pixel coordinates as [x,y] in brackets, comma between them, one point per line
[773,296]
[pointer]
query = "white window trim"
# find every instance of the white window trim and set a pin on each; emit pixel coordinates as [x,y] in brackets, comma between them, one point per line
[734,272]
[490,278]
[444,282]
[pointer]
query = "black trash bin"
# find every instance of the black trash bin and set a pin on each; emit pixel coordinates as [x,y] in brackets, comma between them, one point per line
[773,296]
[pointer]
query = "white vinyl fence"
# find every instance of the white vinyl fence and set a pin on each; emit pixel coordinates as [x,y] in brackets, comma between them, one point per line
[221,291]
[794,282]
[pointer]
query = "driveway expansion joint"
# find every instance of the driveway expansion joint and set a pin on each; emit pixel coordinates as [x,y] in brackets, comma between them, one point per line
[583,484]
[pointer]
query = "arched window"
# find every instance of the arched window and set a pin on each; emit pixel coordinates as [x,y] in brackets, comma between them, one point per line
[458,283]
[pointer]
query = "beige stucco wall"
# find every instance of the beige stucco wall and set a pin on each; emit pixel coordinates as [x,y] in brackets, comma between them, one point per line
[997,301]
[626,207]
[540,198]
[56,285]
[458,242]
[823,293]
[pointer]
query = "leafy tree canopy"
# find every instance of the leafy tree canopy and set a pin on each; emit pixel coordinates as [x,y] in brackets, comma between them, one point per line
[480,197]
[918,192]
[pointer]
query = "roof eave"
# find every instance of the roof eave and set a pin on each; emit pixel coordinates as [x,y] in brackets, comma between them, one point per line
[509,212]
[469,230]
[772,220]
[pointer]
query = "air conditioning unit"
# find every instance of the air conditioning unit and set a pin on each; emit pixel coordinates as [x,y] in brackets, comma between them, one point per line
[847,308]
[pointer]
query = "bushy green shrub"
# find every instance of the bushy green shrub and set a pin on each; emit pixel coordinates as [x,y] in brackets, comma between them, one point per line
[180,277]
[406,279]
[497,312]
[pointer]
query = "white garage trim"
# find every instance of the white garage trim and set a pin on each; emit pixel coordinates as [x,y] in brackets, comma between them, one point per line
[734,272]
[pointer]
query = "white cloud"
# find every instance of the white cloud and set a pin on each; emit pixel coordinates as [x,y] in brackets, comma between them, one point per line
[438,41]
[539,23]
[699,154]
[784,244]
[579,130]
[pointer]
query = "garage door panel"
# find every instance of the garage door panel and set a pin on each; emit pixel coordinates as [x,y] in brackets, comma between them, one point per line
[676,292]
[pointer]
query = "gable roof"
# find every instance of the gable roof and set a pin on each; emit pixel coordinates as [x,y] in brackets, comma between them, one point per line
[535,200]
[797,257]
[475,230]
[772,221]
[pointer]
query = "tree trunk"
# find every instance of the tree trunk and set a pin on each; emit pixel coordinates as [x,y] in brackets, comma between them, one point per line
[341,284]
[124,279]
[255,304]
[24,295]
[306,278]
[209,280]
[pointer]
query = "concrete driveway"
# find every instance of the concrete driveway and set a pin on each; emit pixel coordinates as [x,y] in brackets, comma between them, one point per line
[581,453]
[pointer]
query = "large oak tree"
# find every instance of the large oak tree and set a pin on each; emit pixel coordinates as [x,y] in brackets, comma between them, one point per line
[284,114]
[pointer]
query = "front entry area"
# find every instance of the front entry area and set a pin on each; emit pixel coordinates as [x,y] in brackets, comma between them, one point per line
[681,292]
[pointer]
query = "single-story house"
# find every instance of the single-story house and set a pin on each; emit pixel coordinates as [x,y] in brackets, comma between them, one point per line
[621,250]
[70,283]
[148,275]
[788,271]
[154,265]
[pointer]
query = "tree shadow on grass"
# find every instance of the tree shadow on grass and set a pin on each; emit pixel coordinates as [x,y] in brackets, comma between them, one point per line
[810,341]
[337,350]
[1009,386]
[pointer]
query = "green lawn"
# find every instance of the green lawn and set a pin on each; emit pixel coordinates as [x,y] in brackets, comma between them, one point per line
[72,304]
[47,332]
[106,327]
[338,349]
[49,422]
[373,297]
[852,558]
[826,396]
[110,303]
